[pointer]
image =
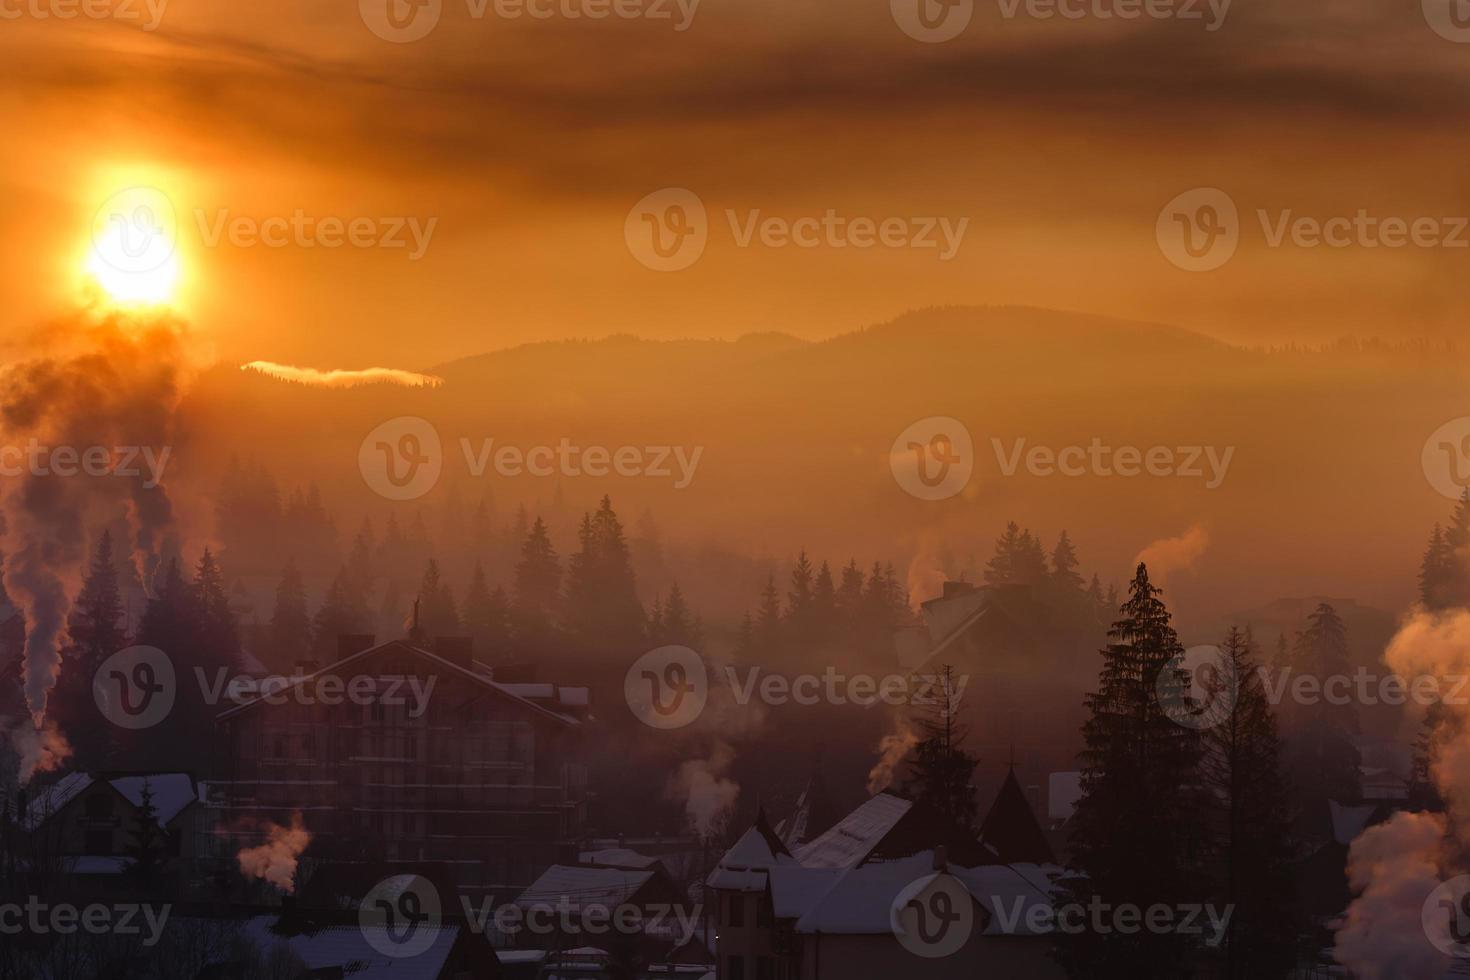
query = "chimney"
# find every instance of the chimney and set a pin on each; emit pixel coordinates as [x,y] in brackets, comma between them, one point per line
[941,858]
[458,650]
[350,643]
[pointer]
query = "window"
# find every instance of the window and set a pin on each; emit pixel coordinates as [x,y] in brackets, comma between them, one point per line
[735,968]
[765,968]
[735,911]
[763,912]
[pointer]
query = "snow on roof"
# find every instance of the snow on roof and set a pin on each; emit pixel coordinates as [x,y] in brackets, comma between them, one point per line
[583,887]
[51,799]
[855,835]
[95,865]
[859,900]
[1063,790]
[617,857]
[743,867]
[172,792]
[795,890]
[349,948]
[335,668]
[1348,821]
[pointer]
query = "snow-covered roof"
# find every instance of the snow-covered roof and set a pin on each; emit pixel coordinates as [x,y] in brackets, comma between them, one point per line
[172,793]
[855,836]
[335,668]
[349,948]
[582,887]
[51,799]
[1348,821]
[743,867]
[617,857]
[859,900]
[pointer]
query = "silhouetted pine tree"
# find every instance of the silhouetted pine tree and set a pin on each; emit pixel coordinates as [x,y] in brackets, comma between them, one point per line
[95,632]
[1136,831]
[1063,581]
[680,626]
[850,596]
[1438,573]
[487,618]
[340,614]
[1002,568]
[537,590]
[1250,846]
[1321,759]
[438,613]
[768,627]
[826,624]
[602,608]
[290,632]
[941,773]
[1439,723]
[218,629]
[145,844]
[801,626]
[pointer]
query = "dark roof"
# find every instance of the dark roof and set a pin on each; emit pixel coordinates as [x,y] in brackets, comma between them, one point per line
[1011,828]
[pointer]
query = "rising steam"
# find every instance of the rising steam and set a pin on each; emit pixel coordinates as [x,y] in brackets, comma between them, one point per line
[275,860]
[110,381]
[1169,555]
[707,793]
[1394,867]
[891,751]
[342,378]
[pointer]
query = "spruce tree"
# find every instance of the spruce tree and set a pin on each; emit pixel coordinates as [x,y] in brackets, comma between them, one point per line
[219,630]
[769,634]
[537,589]
[850,597]
[1064,582]
[1437,574]
[487,617]
[145,845]
[339,615]
[941,773]
[1003,566]
[1321,757]
[438,614]
[800,605]
[290,629]
[1136,831]
[95,632]
[602,608]
[1250,847]
[680,625]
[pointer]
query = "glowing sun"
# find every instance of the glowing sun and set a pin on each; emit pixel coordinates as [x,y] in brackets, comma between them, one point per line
[134,255]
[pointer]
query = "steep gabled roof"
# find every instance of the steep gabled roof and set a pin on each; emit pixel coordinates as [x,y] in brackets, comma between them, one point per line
[1011,830]
[448,666]
[853,837]
[744,866]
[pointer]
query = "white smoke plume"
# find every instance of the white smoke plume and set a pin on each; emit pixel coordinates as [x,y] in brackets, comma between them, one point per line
[892,749]
[38,749]
[338,378]
[1169,555]
[95,382]
[1394,867]
[275,860]
[707,793]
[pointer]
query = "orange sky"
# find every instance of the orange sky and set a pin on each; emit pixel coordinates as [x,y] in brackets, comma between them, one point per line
[526,142]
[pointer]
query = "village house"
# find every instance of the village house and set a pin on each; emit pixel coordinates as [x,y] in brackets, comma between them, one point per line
[408,753]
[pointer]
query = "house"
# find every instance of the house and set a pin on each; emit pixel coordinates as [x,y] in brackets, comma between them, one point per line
[87,823]
[406,753]
[829,908]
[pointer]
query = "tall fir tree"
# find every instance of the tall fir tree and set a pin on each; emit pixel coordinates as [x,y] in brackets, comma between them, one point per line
[537,590]
[487,617]
[1062,579]
[801,624]
[602,608]
[94,630]
[1137,829]
[340,615]
[1321,757]
[290,628]
[1438,575]
[769,632]
[438,613]
[1250,846]
[941,772]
